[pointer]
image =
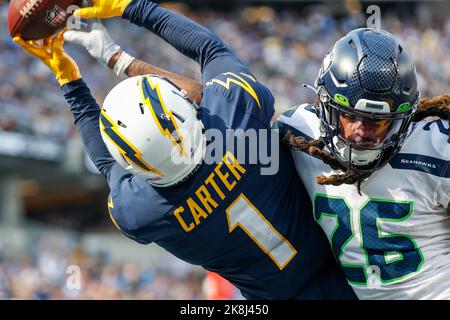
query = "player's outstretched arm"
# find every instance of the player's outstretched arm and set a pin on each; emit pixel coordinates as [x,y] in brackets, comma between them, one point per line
[97,41]
[185,35]
[83,106]
[50,51]
[138,67]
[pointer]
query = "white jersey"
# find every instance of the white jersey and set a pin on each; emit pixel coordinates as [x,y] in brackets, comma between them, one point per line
[393,241]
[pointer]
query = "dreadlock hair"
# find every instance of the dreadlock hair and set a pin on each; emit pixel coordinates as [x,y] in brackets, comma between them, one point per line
[316,149]
[434,107]
[437,106]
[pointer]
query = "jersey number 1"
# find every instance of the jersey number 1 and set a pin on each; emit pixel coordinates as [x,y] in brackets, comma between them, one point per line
[242,213]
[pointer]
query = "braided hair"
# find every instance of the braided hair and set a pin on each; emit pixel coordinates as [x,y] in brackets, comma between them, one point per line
[437,106]
[434,107]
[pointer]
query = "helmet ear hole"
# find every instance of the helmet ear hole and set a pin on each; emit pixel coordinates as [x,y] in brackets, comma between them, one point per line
[178,116]
[120,123]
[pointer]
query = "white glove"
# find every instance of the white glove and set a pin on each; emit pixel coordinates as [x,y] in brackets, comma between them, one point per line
[96,39]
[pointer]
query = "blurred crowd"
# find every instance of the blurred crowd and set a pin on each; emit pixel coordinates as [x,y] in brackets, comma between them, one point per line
[284,48]
[57,268]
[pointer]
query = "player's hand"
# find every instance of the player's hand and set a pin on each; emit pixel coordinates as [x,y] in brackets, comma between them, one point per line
[51,52]
[96,39]
[103,9]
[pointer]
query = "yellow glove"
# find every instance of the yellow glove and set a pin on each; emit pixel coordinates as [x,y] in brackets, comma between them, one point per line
[103,9]
[51,52]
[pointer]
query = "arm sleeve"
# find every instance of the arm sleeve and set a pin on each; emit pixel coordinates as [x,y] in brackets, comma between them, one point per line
[186,36]
[86,114]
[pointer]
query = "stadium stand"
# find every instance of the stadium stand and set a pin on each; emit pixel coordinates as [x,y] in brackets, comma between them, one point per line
[284,46]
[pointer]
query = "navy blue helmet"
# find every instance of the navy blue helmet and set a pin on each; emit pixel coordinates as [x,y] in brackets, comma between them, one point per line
[368,95]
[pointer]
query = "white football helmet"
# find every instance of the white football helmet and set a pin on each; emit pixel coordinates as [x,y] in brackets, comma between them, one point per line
[151,129]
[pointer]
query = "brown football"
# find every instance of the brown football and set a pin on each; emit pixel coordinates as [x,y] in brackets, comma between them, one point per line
[38,19]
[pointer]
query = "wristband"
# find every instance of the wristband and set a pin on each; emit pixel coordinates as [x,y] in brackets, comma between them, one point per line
[122,64]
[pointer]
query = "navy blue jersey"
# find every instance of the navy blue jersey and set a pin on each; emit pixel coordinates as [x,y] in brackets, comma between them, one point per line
[257,231]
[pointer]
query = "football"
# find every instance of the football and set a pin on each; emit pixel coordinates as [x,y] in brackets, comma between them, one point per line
[38,19]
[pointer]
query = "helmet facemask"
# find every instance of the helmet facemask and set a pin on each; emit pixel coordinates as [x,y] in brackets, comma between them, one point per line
[361,139]
[367,88]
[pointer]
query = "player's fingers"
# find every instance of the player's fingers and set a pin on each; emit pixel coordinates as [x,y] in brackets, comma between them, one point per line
[24,44]
[18,40]
[76,37]
[60,35]
[37,51]
[29,47]
[58,41]
[86,13]
[47,42]
[42,49]
[36,43]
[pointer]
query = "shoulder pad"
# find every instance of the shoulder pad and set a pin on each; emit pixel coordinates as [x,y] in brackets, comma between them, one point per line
[437,130]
